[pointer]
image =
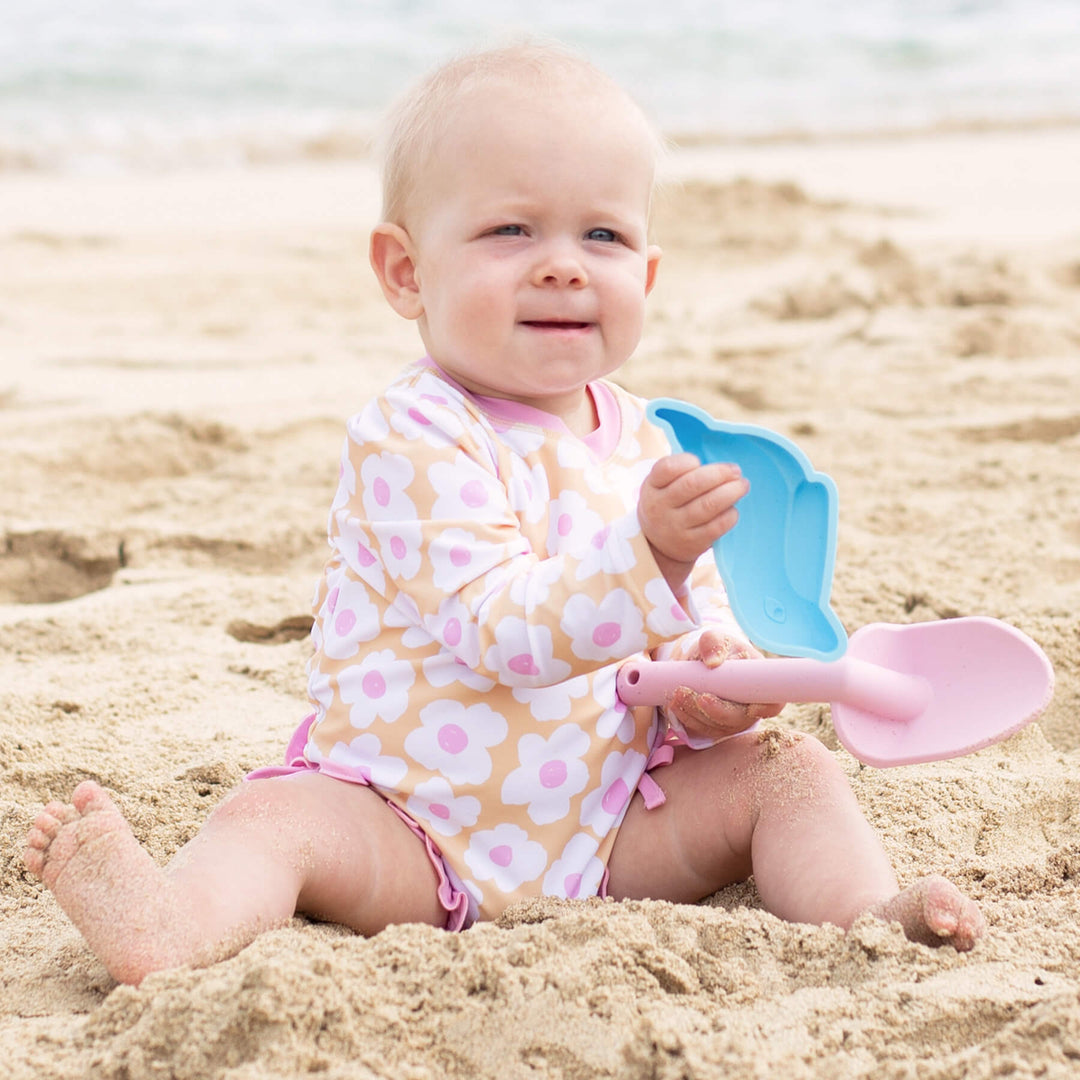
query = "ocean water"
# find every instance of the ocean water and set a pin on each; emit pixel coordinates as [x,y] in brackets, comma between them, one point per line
[106,84]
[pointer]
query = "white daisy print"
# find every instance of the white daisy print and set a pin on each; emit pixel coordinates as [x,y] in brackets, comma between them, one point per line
[369,425]
[572,524]
[376,688]
[547,703]
[362,757]
[576,872]
[465,491]
[604,807]
[346,488]
[358,552]
[385,478]
[527,489]
[667,616]
[573,454]
[453,627]
[458,557]
[551,773]
[531,589]
[610,630]
[445,669]
[428,419]
[447,814]
[453,739]
[320,689]
[609,550]
[506,855]
[523,655]
[522,440]
[349,618]
[399,546]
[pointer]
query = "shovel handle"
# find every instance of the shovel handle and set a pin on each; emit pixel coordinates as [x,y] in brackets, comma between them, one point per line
[862,685]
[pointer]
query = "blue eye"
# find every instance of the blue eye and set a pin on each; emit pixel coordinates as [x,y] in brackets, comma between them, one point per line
[508,230]
[607,236]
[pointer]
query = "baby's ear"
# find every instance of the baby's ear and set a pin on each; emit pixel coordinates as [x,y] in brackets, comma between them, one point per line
[652,263]
[393,259]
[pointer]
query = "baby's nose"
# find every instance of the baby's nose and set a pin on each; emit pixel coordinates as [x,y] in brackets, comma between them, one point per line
[561,265]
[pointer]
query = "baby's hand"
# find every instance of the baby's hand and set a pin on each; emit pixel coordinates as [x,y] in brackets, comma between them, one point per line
[684,507]
[708,716]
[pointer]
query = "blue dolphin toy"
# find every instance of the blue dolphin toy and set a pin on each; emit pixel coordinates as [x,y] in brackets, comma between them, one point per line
[777,563]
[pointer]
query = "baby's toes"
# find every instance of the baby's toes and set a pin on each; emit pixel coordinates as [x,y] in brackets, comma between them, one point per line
[951,915]
[34,853]
[90,797]
[39,839]
[971,925]
[53,818]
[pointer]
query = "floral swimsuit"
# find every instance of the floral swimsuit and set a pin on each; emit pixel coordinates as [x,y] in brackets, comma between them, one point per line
[488,577]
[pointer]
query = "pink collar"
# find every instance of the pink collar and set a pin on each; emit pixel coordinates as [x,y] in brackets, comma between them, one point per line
[602,441]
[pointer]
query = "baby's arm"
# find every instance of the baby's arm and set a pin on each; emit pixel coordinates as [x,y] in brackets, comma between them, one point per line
[429,517]
[701,719]
[684,507]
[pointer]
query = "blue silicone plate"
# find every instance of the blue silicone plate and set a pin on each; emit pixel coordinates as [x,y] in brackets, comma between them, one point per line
[777,563]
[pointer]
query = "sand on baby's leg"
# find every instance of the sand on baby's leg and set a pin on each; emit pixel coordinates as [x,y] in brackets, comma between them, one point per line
[777,805]
[273,848]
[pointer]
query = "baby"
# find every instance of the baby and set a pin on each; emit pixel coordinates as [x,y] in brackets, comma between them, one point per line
[507,531]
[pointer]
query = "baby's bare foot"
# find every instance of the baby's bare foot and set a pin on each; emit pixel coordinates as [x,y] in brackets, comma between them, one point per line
[110,888]
[933,911]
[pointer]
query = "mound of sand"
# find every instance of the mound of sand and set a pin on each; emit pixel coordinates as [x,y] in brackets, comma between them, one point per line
[177,355]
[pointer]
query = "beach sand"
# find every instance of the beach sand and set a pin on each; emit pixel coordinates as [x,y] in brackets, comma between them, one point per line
[178,353]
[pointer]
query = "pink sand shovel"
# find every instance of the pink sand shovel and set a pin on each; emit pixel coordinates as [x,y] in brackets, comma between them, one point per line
[899,695]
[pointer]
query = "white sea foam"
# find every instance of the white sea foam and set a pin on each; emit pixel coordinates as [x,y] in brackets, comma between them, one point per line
[157,83]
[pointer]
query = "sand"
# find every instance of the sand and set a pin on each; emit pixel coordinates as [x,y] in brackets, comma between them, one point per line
[177,355]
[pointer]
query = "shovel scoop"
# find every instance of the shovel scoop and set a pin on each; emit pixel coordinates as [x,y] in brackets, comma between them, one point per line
[901,694]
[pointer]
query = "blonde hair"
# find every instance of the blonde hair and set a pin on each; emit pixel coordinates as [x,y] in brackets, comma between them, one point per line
[414,125]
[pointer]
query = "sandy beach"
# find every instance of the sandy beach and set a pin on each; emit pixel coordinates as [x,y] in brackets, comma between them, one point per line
[178,354]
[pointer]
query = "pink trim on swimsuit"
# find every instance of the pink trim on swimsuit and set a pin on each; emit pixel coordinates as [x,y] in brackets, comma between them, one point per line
[457,903]
[601,442]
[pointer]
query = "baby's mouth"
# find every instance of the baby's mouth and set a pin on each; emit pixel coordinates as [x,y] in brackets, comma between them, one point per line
[555,324]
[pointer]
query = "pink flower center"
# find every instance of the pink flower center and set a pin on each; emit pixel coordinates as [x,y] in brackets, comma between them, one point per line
[452,632]
[345,622]
[381,490]
[553,773]
[453,739]
[523,664]
[502,855]
[473,494]
[439,810]
[606,634]
[615,797]
[572,885]
[374,684]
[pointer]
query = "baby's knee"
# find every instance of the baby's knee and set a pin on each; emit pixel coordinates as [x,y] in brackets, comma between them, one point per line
[259,803]
[794,761]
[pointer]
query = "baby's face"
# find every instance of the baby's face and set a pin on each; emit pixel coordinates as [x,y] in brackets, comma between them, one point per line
[532,259]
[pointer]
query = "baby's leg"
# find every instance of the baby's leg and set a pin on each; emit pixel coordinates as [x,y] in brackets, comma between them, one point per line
[303,843]
[778,806]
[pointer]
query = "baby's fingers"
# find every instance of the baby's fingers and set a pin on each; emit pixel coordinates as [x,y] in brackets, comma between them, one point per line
[715,649]
[706,714]
[683,479]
